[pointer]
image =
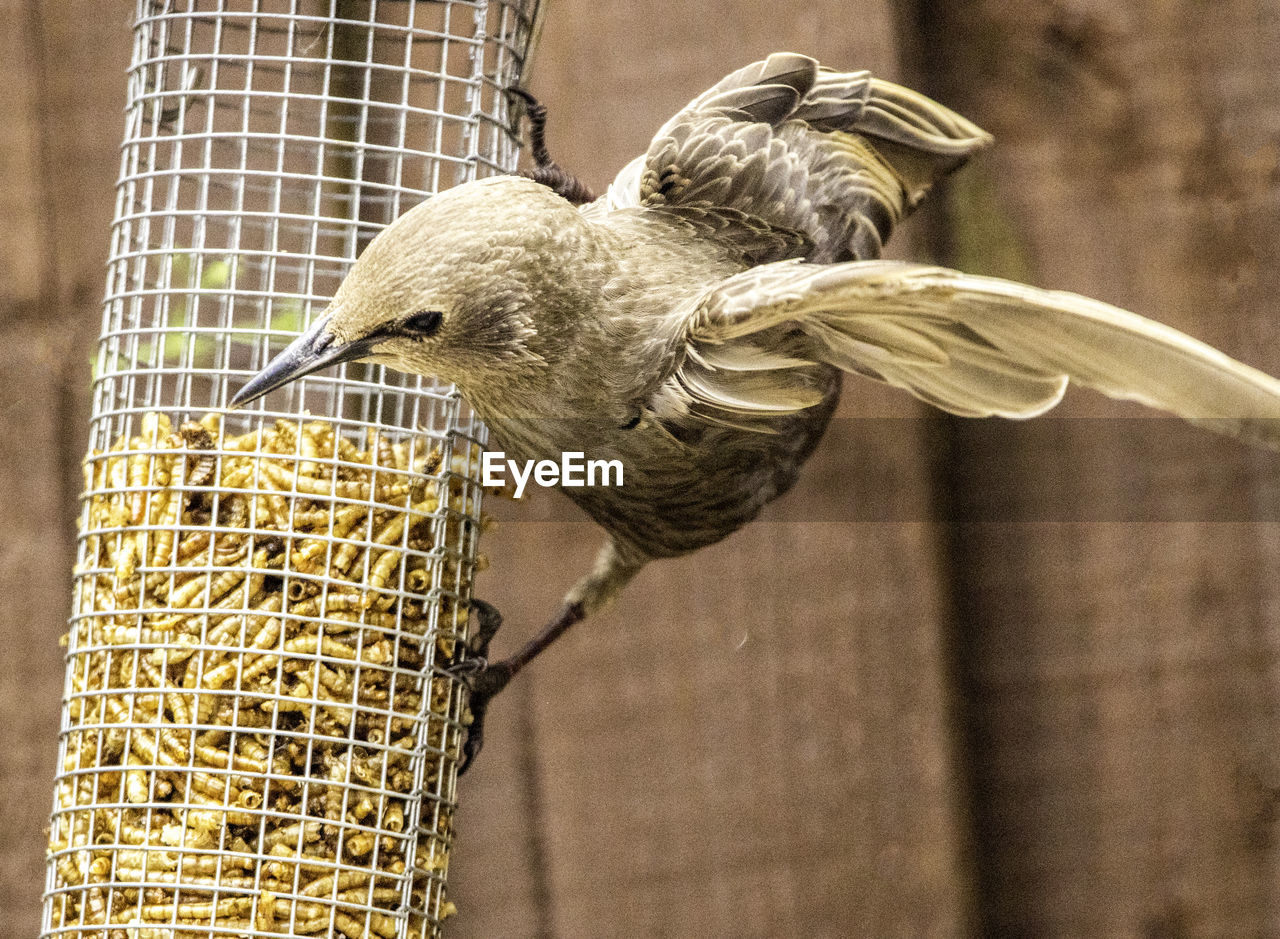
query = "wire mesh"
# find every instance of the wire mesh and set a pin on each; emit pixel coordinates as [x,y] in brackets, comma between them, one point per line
[257,736]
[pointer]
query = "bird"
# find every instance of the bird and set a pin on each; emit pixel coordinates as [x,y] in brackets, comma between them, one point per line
[695,320]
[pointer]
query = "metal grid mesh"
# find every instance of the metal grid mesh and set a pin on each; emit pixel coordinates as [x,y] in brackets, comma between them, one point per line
[256,735]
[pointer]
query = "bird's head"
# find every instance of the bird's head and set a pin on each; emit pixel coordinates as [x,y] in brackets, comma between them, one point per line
[453,288]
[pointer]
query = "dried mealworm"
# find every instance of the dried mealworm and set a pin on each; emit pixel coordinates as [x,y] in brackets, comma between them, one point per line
[225,649]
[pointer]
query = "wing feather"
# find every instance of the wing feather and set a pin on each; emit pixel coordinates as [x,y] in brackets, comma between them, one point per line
[838,157]
[971,345]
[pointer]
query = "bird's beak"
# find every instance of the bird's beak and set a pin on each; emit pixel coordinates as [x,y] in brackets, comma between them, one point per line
[315,349]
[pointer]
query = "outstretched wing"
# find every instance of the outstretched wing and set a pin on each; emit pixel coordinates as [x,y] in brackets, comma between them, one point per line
[839,157]
[974,346]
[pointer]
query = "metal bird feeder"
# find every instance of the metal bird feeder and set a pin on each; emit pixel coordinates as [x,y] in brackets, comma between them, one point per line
[257,737]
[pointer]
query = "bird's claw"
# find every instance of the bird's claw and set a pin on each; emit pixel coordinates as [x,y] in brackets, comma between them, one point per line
[481,687]
[464,668]
[546,170]
[515,91]
[488,622]
[482,679]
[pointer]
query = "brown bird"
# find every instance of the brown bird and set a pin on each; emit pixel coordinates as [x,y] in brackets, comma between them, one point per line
[693,322]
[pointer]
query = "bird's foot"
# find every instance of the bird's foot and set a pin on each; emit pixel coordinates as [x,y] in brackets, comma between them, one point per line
[482,685]
[482,679]
[488,622]
[546,170]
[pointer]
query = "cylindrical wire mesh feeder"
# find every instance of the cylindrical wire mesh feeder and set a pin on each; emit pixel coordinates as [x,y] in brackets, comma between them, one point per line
[257,737]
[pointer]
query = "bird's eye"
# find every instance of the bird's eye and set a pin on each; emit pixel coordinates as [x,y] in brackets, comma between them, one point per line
[424,323]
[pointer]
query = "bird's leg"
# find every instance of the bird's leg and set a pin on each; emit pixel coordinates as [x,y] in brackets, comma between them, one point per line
[485,679]
[536,111]
[546,170]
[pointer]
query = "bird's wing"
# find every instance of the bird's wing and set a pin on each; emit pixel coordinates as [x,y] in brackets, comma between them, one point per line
[974,346]
[839,157]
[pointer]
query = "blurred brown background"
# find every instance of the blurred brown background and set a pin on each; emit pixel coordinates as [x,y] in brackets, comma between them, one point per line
[1027,683]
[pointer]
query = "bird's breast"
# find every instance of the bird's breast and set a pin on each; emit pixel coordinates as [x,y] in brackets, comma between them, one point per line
[679,491]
